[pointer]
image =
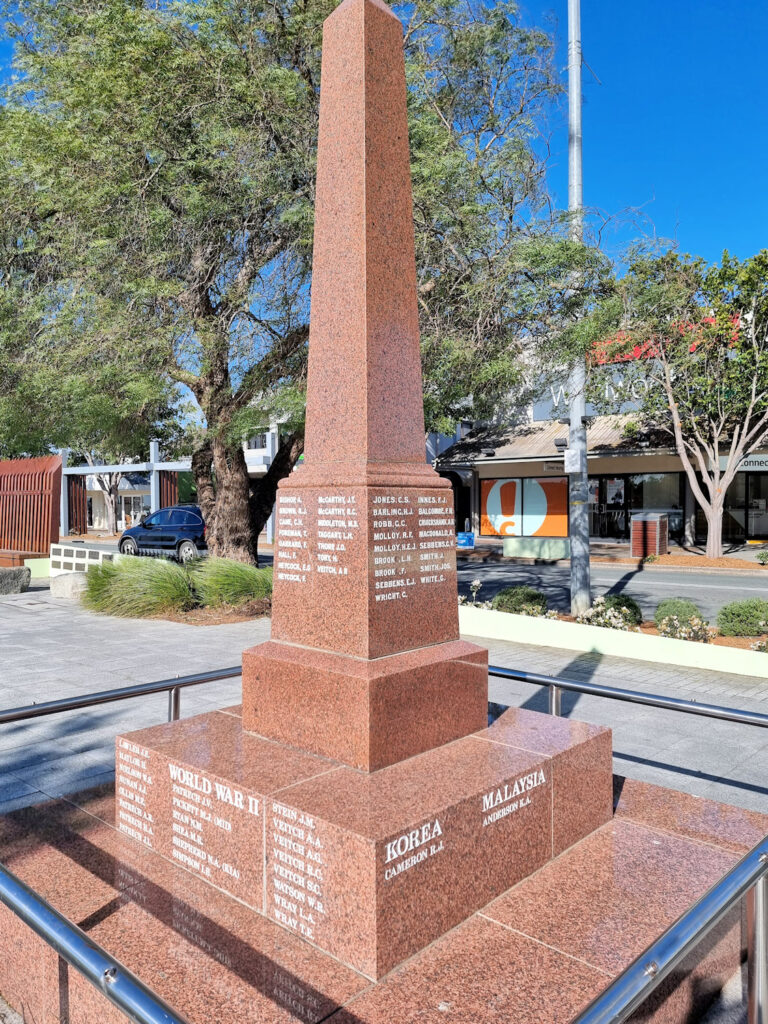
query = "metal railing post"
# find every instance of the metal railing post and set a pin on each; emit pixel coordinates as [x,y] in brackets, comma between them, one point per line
[174,704]
[555,699]
[757,952]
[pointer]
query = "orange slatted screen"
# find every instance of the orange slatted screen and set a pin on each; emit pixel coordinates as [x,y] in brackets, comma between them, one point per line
[30,491]
[78,504]
[169,488]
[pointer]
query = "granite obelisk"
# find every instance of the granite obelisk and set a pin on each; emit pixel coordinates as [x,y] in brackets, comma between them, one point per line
[365,664]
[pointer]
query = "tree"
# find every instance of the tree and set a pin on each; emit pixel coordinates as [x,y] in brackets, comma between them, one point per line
[106,417]
[157,187]
[701,334]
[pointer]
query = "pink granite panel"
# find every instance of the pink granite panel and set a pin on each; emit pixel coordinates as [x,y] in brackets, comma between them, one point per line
[692,817]
[693,986]
[582,768]
[364,399]
[367,714]
[194,792]
[213,959]
[480,973]
[68,857]
[320,884]
[365,571]
[434,837]
[616,891]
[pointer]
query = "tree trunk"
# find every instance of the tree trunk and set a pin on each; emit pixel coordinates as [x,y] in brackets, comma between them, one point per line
[715,529]
[110,491]
[229,533]
[202,469]
[264,489]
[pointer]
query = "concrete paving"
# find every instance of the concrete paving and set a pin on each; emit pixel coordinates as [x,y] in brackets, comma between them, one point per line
[51,648]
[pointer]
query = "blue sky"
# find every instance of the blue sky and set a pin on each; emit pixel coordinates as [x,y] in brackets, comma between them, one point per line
[678,126]
[676,130]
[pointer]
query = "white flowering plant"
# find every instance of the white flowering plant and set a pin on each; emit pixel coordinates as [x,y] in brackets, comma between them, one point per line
[609,617]
[693,628]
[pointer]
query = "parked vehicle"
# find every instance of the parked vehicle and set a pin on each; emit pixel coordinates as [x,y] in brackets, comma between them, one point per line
[176,532]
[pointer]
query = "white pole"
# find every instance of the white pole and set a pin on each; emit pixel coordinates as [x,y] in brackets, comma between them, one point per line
[578,492]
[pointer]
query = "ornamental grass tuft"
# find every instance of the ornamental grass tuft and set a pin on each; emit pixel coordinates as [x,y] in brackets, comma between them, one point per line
[138,587]
[219,581]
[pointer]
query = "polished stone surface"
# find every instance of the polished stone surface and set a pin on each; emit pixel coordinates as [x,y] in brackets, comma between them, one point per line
[366,713]
[369,866]
[363,665]
[195,791]
[693,817]
[480,973]
[538,954]
[581,768]
[635,878]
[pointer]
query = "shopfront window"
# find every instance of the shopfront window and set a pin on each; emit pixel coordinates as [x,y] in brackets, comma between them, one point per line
[758,505]
[735,509]
[658,492]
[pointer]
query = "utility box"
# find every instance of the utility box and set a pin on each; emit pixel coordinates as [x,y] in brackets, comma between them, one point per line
[649,534]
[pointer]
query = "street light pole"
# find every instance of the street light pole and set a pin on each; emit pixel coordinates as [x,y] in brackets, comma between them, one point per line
[578,492]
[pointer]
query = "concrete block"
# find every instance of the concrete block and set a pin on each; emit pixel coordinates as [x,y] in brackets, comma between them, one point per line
[15,580]
[69,586]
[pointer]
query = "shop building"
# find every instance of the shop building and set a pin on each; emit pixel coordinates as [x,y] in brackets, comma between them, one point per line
[509,484]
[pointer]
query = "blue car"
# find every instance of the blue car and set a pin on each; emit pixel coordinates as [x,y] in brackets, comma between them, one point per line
[176,532]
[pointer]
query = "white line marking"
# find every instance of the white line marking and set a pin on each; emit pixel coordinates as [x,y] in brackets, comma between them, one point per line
[691,586]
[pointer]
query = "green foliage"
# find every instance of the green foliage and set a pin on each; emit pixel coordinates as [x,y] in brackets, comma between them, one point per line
[520,600]
[743,618]
[218,581]
[157,193]
[762,557]
[98,584]
[626,605]
[138,588]
[680,607]
[702,381]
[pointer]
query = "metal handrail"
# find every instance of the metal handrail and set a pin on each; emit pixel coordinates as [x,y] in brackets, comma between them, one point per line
[87,700]
[130,995]
[613,1006]
[691,707]
[624,995]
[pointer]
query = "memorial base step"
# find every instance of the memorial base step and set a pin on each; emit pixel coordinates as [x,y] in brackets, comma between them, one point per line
[538,954]
[370,867]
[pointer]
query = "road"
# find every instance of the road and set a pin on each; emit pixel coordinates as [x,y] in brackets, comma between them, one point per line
[646,585]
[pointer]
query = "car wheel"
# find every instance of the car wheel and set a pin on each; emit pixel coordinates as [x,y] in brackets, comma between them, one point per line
[128,546]
[187,551]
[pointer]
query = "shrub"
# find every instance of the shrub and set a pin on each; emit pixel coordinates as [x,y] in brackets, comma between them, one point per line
[611,616]
[762,557]
[627,606]
[676,607]
[220,581]
[138,587]
[520,600]
[688,628]
[743,618]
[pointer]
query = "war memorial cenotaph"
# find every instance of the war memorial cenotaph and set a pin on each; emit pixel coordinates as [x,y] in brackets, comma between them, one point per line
[355,842]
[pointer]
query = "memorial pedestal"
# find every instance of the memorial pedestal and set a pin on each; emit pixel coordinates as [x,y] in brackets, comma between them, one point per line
[370,867]
[367,714]
[535,955]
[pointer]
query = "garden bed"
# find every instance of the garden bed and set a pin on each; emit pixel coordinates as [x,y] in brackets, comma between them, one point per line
[728,654]
[220,616]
